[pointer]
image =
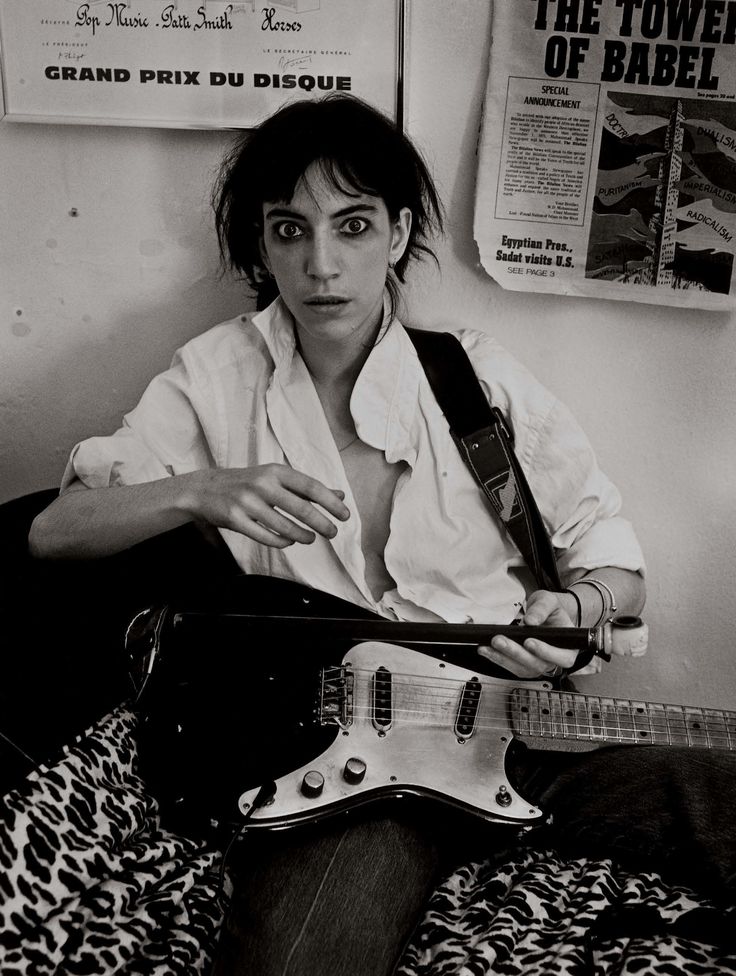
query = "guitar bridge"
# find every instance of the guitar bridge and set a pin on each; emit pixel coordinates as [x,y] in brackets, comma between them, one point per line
[335,705]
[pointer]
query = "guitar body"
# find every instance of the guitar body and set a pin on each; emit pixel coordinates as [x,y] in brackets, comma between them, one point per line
[226,709]
[402,734]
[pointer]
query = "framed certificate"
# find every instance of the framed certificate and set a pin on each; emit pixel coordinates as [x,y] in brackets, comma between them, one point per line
[194,63]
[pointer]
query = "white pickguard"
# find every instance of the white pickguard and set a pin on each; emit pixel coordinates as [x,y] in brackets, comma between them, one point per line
[420,753]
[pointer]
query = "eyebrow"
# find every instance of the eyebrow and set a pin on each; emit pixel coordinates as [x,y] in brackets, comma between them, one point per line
[283,212]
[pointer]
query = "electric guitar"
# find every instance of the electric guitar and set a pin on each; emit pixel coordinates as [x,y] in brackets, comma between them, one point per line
[333,707]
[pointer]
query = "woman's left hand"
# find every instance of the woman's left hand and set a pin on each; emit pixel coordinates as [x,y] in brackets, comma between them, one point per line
[535,658]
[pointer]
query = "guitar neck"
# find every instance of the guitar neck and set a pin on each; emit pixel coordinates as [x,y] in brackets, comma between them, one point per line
[573,717]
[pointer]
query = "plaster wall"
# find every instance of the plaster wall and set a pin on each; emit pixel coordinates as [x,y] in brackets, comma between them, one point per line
[108,263]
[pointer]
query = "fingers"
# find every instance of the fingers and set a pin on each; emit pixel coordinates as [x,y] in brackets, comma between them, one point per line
[276,529]
[298,495]
[532,659]
[528,660]
[314,491]
[275,505]
[259,533]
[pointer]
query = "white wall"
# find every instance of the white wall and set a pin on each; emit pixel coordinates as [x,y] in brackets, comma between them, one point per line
[105,295]
[108,294]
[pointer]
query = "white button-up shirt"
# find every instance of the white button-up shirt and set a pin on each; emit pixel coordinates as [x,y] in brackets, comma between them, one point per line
[240,395]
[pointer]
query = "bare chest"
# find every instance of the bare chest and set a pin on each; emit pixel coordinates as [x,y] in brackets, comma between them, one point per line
[373,483]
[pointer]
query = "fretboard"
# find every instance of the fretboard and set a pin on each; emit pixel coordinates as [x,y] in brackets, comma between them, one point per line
[572,716]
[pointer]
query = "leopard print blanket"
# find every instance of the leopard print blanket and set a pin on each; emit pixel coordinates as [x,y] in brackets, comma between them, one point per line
[90,883]
[533,913]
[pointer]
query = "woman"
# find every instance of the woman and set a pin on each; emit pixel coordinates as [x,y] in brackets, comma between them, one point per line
[308,434]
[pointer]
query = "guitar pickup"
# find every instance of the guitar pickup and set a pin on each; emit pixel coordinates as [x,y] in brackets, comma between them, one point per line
[382,699]
[335,705]
[467,712]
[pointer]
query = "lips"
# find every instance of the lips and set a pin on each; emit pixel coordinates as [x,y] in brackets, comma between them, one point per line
[325,300]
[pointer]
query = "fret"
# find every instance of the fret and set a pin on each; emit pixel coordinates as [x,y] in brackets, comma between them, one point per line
[611,719]
[626,720]
[729,719]
[677,725]
[570,728]
[618,721]
[658,724]
[580,707]
[595,722]
[545,720]
[641,729]
[696,727]
[731,728]
[556,716]
[521,711]
[717,726]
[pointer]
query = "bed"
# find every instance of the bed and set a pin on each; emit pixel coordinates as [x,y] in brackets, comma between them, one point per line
[91,883]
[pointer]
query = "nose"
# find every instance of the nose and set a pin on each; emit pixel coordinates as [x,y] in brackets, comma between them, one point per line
[322,261]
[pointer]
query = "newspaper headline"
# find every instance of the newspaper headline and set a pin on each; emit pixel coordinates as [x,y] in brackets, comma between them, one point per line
[607,158]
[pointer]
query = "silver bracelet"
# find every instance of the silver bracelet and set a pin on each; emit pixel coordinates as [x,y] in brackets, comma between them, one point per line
[579,607]
[598,587]
[613,608]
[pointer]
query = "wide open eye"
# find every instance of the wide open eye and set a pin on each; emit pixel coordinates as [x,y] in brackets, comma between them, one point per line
[354,226]
[287,230]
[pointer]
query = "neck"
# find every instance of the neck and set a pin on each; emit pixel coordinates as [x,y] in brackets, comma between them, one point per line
[337,361]
[333,365]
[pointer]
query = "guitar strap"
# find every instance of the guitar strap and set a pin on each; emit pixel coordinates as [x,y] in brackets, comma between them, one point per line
[486,445]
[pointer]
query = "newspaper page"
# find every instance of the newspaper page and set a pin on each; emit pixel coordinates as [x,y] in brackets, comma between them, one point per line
[607,157]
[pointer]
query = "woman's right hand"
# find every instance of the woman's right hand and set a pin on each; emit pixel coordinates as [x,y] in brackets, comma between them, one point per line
[271,503]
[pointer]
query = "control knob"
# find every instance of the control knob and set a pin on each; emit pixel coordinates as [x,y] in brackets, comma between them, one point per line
[313,784]
[354,771]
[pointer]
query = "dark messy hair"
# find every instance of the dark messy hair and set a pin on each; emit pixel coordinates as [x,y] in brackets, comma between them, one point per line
[359,151]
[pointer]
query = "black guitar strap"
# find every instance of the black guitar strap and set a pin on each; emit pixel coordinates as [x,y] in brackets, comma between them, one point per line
[485,442]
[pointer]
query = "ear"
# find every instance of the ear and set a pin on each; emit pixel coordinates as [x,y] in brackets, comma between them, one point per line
[400,235]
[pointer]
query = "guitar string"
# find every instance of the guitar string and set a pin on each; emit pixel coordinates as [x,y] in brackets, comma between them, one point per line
[674,729]
[431,684]
[594,733]
[521,684]
[564,707]
[570,723]
[454,685]
[582,720]
[567,706]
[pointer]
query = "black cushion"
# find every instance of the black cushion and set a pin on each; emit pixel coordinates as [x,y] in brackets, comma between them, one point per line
[64,623]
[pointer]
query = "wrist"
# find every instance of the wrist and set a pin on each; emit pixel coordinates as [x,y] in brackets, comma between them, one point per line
[597,600]
[188,495]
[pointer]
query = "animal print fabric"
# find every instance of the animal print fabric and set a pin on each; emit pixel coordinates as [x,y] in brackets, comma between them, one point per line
[89,882]
[533,913]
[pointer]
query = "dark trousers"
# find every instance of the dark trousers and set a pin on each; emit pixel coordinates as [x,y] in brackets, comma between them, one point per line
[343,899]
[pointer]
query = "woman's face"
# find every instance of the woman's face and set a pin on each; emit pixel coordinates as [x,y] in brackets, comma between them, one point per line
[329,253]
